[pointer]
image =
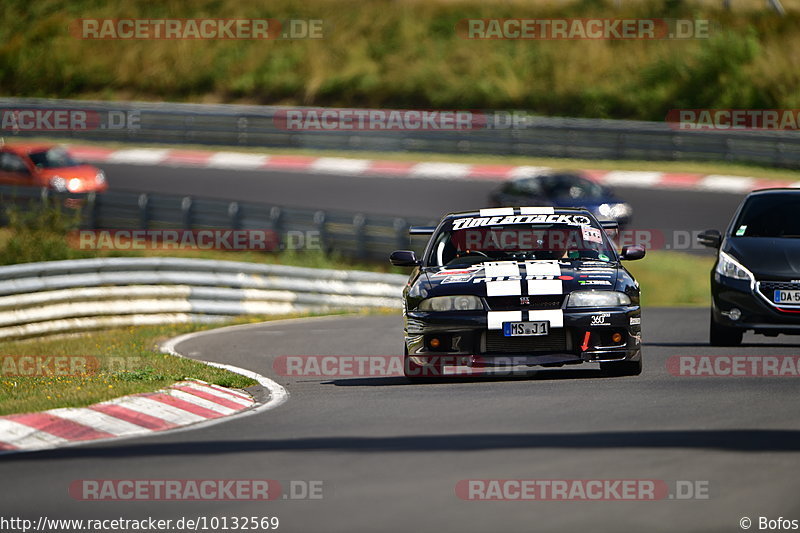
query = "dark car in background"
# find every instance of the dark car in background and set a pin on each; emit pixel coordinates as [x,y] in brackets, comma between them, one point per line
[563,189]
[755,282]
[521,286]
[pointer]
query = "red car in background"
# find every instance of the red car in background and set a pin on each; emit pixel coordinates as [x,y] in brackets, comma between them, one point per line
[50,166]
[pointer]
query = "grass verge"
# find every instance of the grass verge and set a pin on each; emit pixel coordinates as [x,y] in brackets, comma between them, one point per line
[670,279]
[124,361]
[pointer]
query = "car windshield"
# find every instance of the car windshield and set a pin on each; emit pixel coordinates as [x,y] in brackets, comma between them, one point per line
[769,215]
[469,241]
[53,158]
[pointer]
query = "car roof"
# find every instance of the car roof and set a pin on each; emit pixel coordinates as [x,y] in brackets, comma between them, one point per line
[495,211]
[775,190]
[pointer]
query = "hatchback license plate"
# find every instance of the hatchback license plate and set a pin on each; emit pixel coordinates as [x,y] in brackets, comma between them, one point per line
[526,329]
[787,297]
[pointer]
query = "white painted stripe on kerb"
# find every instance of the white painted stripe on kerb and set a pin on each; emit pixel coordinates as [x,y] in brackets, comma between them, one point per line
[536,211]
[441,170]
[236,160]
[545,286]
[158,409]
[630,178]
[554,316]
[495,319]
[235,398]
[138,156]
[717,182]
[500,269]
[99,421]
[340,165]
[504,288]
[542,268]
[201,402]
[26,437]
[497,211]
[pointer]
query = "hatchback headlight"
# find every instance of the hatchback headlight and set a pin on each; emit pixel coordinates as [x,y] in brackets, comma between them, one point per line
[598,299]
[451,303]
[731,268]
[100,177]
[58,184]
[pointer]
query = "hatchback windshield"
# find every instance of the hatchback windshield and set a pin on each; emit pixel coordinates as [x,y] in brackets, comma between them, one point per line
[769,215]
[468,241]
[53,158]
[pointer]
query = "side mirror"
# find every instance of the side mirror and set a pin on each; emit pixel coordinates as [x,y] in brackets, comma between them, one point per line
[404,258]
[711,238]
[632,253]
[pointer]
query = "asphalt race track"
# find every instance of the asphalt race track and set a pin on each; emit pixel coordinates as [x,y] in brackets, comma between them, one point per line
[390,453]
[663,210]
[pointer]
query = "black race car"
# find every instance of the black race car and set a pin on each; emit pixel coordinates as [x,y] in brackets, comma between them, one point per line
[755,283]
[515,286]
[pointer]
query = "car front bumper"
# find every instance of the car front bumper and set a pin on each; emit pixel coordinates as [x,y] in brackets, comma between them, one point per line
[757,312]
[464,338]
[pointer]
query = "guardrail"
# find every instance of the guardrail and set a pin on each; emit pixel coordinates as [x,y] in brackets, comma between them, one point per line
[65,296]
[238,125]
[354,235]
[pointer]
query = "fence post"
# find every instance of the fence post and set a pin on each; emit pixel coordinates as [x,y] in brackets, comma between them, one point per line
[319,223]
[359,228]
[91,212]
[234,214]
[144,211]
[402,239]
[186,212]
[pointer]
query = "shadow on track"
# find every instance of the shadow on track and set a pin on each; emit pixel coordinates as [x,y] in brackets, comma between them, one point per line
[518,375]
[735,440]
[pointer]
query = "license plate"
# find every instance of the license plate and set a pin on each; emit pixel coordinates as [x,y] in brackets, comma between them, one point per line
[787,297]
[526,329]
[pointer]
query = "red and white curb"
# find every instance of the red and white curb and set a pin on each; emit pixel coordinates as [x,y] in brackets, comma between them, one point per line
[182,404]
[410,169]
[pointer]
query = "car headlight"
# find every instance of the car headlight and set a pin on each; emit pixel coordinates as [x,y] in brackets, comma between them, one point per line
[615,211]
[74,185]
[598,299]
[58,183]
[730,268]
[451,303]
[100,177]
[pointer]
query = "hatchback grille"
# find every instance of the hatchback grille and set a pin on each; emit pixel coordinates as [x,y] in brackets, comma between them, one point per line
[556,341]
[512,303]
[767,288]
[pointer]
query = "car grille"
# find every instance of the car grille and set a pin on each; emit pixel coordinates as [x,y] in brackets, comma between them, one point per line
[496,342]
[512,303]
[767,288]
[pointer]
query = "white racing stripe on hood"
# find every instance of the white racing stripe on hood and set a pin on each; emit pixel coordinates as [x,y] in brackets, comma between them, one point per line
[545,286]
[512,287]
[542,268]
[500,269]
[495,319]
